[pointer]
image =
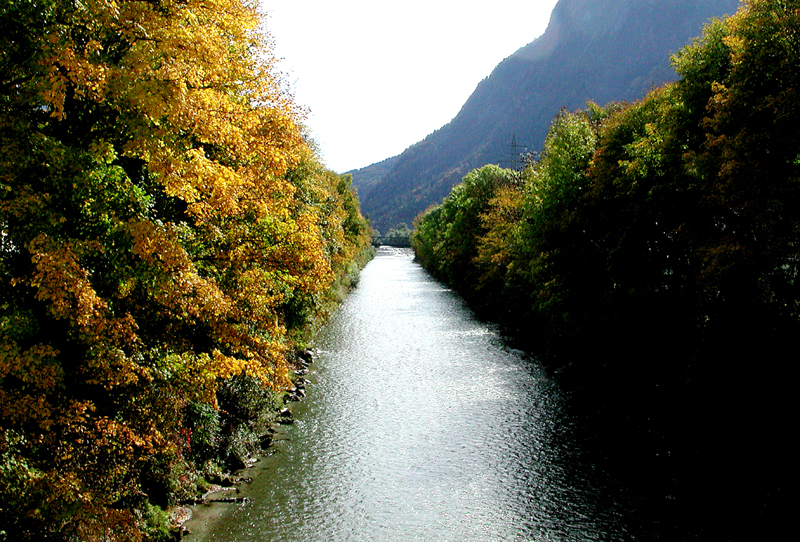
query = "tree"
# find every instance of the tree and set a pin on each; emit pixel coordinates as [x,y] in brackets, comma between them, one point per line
[448,235]
[547,249]
[747,166]
[155,225]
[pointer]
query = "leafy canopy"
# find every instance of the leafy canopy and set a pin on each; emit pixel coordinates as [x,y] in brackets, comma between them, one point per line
[162,222]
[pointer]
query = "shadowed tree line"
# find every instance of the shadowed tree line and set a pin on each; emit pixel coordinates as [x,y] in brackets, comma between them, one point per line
[651,251]
[682,207]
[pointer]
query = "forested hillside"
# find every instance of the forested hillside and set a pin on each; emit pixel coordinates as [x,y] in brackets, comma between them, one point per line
[600,50]
[651,254]
[167,240]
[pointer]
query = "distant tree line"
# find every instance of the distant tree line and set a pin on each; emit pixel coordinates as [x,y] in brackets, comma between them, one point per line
[668,224]
[398,236]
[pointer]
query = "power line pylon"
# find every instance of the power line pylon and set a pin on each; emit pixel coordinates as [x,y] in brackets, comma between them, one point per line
[515,163]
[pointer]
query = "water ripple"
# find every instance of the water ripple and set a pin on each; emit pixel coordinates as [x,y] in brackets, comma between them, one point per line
[421,425]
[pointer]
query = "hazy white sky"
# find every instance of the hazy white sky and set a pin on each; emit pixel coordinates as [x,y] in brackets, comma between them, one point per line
[380,76]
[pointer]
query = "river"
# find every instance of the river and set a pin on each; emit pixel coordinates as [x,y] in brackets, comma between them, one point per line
[422,424]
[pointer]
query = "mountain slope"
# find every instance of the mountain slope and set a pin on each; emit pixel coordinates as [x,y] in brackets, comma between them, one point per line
[599,50]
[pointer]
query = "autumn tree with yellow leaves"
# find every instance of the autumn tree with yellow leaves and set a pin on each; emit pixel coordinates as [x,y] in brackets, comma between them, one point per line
[164,226]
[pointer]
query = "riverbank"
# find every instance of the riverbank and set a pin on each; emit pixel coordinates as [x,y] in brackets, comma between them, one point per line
[712,450]
[422,424]
[194,519]
[198,518]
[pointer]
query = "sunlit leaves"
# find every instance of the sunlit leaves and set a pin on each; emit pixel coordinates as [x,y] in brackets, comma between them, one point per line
[447,235]
[160,213]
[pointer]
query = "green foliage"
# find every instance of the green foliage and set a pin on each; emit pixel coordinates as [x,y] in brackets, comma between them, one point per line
[155,523]
[676,216]
[748,168]
[616,50]
[553,187]
[203,424]
[401,230]
[446,236]
[164,227]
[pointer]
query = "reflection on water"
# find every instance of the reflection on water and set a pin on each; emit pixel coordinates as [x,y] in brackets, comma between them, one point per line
[421,425]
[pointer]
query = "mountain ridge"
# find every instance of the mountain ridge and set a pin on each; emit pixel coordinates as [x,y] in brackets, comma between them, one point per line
[592,50]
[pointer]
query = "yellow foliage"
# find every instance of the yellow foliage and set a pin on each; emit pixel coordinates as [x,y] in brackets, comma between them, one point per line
[160,211]
[501,222]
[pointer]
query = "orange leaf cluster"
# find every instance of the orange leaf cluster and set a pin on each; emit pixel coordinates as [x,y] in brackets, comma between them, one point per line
[164,226]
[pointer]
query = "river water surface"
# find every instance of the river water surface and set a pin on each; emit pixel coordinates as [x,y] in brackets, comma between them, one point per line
[421,424]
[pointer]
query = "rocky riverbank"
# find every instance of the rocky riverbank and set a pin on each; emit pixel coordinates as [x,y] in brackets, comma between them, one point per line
[193,517]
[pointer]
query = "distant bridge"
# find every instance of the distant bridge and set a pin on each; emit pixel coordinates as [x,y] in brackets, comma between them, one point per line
[391,241]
